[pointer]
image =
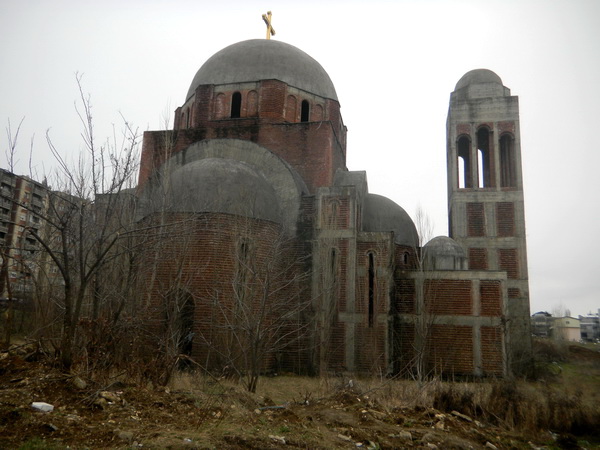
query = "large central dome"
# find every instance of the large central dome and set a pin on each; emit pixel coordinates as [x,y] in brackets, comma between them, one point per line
[263,59]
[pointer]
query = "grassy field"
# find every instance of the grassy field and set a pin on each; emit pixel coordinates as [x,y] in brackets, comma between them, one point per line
[558,409]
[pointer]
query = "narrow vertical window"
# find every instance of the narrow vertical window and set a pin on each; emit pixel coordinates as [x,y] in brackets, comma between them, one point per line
[464,162]
[484,158]
[186,325]
[236,105]
[507,161]
[333,265]
[305,111]
[243,270]
[371,288]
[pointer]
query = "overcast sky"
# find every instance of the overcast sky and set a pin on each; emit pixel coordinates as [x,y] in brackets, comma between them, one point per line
[393,63]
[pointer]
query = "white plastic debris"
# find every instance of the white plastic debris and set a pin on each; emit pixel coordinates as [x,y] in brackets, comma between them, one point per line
[42,406]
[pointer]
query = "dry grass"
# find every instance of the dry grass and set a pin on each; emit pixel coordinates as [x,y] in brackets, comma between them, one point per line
[564,399]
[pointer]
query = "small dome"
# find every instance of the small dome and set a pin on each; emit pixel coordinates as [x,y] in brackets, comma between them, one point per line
[264,59]
[445,246]
[382,214]
[444,253]
[478,76]
[224,186]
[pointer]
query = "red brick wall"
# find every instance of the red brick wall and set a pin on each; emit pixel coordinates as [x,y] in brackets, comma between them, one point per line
[369,351]
[448,297]
[491,350]
[508,126]
[200,257]
[272,100]
[508,261]
[505,219]
[463,128]
[403,347]
[450,349]
[310,147]
[478,259]
[475,220]
[405,296]
[491,298]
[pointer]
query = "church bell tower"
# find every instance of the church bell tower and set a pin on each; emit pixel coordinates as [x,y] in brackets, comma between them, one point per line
[485,194]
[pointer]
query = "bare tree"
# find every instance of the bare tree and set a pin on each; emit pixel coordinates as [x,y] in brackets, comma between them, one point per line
[267,312]
[86,216]
[423,294]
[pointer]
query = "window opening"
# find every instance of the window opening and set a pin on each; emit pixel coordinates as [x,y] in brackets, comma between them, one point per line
[483,153]
[236,105]
[243,270]
[333,264]
[507,162]
[304,112]
[186,326]
[464,163]
[371,288]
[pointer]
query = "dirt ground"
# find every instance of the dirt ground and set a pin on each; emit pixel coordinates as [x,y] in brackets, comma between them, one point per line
[204,413]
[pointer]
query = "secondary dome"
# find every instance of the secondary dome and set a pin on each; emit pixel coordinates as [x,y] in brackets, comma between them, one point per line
[477,76]
[264,59]
[444,253]
[382,214]
[222,186]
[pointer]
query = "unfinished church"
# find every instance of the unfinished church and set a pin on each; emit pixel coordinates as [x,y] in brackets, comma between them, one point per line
[273,249]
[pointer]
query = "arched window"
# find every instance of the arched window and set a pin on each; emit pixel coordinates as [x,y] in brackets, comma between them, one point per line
[484,158]
[464,162]
[305,111]
[236,105]
[508,176]
[371,272]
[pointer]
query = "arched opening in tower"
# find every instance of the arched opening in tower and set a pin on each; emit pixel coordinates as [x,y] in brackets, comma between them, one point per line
[484,158]
[507,161]
[464,163]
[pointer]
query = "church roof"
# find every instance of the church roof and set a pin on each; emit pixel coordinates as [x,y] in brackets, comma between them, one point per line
[382,214]
[262,59]
[224,186]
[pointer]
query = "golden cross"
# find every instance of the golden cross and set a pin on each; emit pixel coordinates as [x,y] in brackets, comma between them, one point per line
[270,30]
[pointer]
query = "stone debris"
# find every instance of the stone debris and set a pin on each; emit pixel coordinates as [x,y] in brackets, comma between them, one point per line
[110,396]
[79,383]
[42,406]
[278,439]
[461,416]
